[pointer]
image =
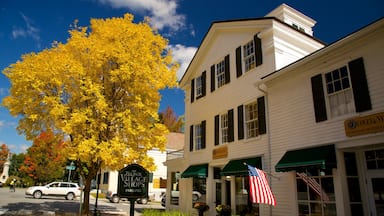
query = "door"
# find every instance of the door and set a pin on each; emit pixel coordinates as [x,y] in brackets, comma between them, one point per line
[376,185]
[218,194]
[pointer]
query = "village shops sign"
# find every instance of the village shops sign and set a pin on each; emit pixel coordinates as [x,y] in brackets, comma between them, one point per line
[364,125]
[133,184]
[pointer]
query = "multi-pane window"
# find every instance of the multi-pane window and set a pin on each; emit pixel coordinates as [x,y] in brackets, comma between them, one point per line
[375,159]
[198,136]
[224,128]
[339,92]
[251,120]
[199,86]
[220,73]
[106,178]
[316,193]
[249,56]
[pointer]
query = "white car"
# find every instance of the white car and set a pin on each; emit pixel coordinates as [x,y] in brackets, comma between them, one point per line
[69,190]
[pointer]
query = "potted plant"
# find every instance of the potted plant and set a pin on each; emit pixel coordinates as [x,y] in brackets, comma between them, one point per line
[201,207]
[223,210]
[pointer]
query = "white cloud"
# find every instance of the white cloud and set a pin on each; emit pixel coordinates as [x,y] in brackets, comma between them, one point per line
[161,12]
[28,31]
[2,124]
[183,55]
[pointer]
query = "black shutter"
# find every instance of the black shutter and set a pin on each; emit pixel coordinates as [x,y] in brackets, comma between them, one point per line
[217,128]
[230,126]
[213,77]
[204,83]
[240,122]
[359,85]
[239,67]
[203,134]
[258,51]
[261,115]
[318,98]
[191,138]
[192,90]
[227,73]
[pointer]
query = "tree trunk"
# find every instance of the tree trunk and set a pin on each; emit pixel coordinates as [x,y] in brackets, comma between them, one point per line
[87,190]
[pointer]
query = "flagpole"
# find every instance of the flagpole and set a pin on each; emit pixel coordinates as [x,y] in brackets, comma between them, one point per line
[273,176]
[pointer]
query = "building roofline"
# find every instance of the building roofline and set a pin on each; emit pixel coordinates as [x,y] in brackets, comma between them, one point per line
[242,20]
[327,48]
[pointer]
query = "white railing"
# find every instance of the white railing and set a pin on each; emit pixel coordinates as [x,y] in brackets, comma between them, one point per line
[175,154]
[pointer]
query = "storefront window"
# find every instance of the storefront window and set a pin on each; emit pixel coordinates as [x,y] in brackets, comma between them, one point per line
[175,176]
[375,159]
[199,190]
[315,193]
[243,204]
[355,200]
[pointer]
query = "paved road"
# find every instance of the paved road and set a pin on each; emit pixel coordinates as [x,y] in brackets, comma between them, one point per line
[17,203]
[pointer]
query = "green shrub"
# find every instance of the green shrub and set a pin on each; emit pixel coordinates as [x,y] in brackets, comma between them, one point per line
[154,212]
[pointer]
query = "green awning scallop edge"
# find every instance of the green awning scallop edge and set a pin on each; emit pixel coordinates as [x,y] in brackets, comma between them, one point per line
[196,171]
[237,167]
[323,157]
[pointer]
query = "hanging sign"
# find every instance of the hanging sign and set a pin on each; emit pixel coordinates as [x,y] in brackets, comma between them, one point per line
[133,182]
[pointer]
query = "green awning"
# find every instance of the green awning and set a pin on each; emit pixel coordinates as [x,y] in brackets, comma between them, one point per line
[238,168]
[323,157]
[196,171]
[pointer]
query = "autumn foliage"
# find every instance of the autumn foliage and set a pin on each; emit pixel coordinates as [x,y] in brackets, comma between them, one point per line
[4,152]
[43,161]
[99,91]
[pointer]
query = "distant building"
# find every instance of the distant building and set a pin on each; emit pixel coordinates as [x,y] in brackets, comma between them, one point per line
[157,185]
[265,92]
[5,174]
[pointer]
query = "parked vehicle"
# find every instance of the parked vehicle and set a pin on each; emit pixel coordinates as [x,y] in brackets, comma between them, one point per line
[195,195]
[175,194]
[163,200]
[69,190]
[113,197]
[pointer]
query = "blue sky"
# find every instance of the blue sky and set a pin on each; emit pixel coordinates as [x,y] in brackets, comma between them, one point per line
[31,26]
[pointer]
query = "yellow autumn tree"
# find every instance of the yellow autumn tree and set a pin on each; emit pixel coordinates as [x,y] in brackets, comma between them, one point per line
[100,90]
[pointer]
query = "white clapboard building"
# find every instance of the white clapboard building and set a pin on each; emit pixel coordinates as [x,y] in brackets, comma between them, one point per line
[267,93]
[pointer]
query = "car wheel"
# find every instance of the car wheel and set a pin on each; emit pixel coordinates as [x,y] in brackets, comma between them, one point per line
[70,196]
[115,199]
[37,194]
[195,197]
[143,201]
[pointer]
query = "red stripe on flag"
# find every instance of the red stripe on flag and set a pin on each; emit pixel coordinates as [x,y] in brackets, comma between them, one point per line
[260,192]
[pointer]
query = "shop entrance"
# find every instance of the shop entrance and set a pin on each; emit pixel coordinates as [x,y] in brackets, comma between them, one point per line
[375,180]
[376,191]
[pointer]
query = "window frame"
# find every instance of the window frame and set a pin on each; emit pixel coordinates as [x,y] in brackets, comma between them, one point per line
[335,94]
[220,73]
[254,121]
[249,55]
[199,86]
[197,137]
[224,128]
[311,201]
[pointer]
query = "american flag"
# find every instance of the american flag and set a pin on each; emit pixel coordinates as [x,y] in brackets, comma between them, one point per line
[259,189]
[314,185]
